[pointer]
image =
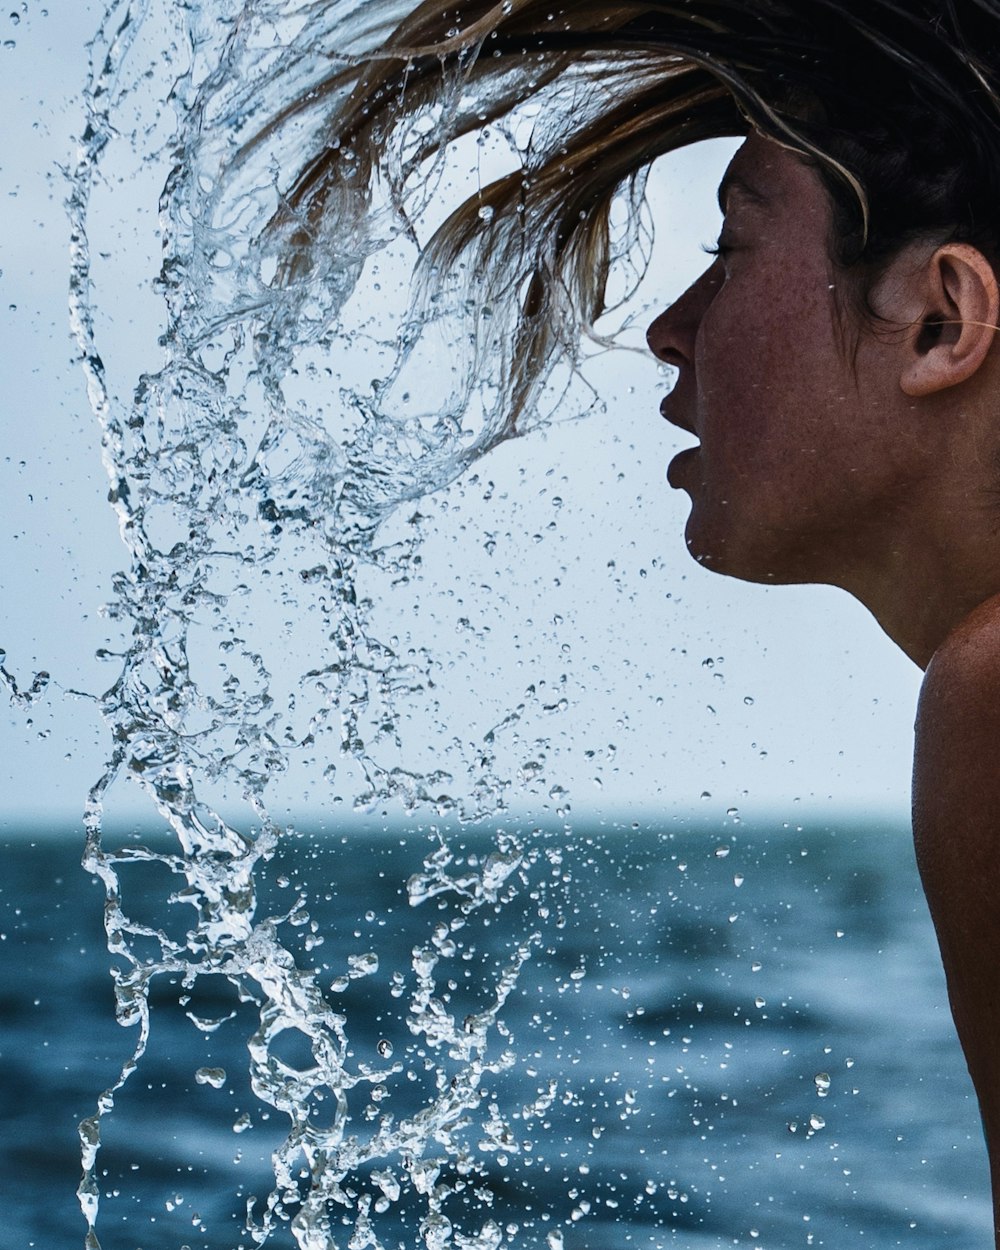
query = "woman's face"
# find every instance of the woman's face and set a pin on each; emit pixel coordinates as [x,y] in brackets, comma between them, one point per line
[800,459]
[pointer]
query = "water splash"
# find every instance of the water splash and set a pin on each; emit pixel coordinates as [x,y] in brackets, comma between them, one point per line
[259,476]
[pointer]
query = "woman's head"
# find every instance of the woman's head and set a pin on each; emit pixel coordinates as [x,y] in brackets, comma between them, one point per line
[813,462]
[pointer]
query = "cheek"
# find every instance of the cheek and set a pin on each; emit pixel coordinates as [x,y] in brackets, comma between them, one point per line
[748,381]
[771,371]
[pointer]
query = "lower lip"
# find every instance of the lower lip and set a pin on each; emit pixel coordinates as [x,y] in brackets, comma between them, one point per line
[676,466]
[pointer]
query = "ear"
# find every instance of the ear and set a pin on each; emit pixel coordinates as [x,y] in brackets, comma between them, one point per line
[958,325]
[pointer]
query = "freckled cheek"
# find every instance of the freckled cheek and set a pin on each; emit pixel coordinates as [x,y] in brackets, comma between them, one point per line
[743,381]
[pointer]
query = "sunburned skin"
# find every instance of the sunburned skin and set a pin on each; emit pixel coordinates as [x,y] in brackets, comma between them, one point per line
[865,454]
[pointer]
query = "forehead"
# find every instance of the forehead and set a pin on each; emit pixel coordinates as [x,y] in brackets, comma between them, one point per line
[765,175]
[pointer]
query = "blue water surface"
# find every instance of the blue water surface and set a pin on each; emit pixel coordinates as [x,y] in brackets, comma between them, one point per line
[747,1029]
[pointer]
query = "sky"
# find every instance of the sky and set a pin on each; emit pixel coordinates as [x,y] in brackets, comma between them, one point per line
[685,692]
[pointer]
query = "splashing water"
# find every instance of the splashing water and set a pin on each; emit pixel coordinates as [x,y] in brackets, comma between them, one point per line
[256,467]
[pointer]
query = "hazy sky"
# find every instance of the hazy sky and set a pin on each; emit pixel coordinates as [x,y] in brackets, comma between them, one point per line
[803,703]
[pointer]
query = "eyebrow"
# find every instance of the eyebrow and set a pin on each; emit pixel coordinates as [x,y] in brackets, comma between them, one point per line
[731,180]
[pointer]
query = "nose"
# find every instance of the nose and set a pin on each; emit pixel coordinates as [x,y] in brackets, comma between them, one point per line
[671,337]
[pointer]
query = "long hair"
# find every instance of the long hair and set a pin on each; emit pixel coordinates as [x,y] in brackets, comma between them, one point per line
[896,102]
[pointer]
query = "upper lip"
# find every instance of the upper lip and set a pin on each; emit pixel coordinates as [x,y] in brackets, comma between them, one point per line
[670,410]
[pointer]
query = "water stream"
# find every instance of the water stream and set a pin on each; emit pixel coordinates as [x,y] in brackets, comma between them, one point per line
[266,450]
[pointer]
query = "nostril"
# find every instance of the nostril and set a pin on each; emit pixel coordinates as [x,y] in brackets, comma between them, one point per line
[667,353]
[661,338]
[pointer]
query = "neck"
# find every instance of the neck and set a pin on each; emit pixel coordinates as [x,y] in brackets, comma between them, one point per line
[926,583]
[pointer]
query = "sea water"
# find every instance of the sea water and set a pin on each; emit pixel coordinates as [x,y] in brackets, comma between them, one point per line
[698,1062]
[470,1027]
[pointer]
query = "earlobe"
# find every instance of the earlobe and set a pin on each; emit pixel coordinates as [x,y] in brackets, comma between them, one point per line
[953,338]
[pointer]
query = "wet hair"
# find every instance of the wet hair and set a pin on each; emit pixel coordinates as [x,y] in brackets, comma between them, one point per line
[897,102]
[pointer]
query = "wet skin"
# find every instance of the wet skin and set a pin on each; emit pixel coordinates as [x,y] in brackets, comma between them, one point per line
[866,454]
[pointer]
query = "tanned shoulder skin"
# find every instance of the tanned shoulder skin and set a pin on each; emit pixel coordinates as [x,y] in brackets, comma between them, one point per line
[956,828]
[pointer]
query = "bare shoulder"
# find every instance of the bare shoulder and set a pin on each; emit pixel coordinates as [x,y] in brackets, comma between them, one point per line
[956,834]
[957,763]
[966,666]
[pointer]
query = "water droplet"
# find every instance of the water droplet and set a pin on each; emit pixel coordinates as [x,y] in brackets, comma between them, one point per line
[384,1048]
[362,965]
[823,1082]
[216,1077]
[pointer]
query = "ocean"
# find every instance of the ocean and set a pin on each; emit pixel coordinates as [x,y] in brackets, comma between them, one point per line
[725,1035]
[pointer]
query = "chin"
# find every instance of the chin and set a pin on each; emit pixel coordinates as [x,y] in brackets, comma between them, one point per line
[708,547]
[728,552]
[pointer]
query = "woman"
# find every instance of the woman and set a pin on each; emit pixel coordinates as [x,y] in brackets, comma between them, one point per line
[837,362]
